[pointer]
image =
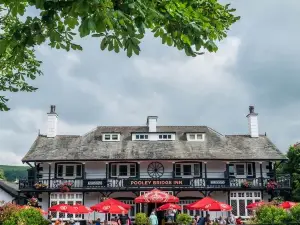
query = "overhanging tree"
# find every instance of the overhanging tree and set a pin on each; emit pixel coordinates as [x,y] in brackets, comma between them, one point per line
[189,25]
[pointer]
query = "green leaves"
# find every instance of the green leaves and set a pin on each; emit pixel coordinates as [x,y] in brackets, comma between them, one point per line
[189,26]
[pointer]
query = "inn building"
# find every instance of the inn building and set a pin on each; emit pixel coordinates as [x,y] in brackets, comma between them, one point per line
[123,162]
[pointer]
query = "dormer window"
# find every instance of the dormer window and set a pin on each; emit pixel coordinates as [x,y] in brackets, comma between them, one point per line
[195,137]
[141,137]
[111,137]
[165,137]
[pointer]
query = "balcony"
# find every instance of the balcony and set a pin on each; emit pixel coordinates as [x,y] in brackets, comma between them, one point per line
[212,182]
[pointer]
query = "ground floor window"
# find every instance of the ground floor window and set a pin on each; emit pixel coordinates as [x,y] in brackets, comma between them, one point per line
[183,203]
[66,198]
[239,201]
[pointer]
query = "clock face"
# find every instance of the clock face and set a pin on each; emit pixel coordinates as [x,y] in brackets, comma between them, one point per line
[155,169]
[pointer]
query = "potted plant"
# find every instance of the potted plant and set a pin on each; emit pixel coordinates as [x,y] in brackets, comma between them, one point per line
[246,184]
[40,186]
[141,219]
[65,187]
[183,219]
[271,185]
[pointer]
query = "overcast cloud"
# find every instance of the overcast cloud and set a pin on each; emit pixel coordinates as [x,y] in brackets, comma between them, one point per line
[256,65]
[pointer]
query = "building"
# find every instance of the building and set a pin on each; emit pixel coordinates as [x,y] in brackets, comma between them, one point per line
[124,162]
[9,192]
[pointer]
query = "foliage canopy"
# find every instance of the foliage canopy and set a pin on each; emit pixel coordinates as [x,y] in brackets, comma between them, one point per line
[189,25]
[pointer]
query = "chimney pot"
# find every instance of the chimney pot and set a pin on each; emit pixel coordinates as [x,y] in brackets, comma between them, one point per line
[251,109]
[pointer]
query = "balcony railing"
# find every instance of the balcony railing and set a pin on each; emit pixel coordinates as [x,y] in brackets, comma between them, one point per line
[197,183]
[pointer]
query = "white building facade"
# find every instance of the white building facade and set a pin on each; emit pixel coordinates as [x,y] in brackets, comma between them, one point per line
[124,162]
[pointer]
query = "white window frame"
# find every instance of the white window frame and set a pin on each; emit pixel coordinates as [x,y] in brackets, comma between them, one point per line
[169,137]
[66,198]
[118,169]
[138,137]
[64,171]
[197,136]
[183,203]
[110,135]
[193,169]
[245,170]
[254,196]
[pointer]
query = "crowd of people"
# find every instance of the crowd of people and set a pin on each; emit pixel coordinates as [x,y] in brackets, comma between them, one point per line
[206,220]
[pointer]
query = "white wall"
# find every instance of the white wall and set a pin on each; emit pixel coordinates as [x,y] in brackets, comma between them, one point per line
[4,196]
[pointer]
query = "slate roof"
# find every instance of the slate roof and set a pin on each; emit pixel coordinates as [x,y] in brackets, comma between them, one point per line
[9,187]
[90,147]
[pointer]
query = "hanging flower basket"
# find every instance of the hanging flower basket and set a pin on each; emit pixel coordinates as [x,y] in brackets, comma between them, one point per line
[66,187]
[40,186]
[246,184]
[271,186]
[33,202]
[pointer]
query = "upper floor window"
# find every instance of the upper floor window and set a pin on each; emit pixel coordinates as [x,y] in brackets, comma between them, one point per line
[165,136]
[187,169]
[141,137]
[111,137]
[241,169]
[123,169]
[195,137]
[69,170]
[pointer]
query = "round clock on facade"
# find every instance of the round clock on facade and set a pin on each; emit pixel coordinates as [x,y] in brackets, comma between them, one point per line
[155,169]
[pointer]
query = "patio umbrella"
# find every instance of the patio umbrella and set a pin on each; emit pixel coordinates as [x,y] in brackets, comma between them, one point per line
[169,206]
[201,203]
[156,196]
[63,208]
[81,209]
[114,209]
[288,205]
[216,206]
[255,205]
[111,201]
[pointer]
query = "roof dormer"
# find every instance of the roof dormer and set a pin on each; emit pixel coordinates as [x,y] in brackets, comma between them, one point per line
[111,136]
[195,136]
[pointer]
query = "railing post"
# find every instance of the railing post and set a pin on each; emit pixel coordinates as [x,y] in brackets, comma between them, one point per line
[261,174]
[49,175]
[205,173]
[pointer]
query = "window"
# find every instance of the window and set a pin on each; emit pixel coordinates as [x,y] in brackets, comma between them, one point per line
[240,169]
[165,137]
[240,200]
[110,137]
[183,203]
[231,170]
[195,137]
[141,137]
[69,170]
[66,198]
[123,170]
[187,169]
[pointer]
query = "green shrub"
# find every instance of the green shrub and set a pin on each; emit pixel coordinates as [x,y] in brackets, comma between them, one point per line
[30,216]
[295,214]
[270,214]
[7,210]
[141,219]
[183,218]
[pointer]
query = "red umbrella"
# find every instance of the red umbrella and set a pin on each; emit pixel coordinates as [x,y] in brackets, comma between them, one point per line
[156,196]
[169,206]
[81,209]
[255,205]
[63,208]
[201,203]
[288,205]
[216,206]
[111,206]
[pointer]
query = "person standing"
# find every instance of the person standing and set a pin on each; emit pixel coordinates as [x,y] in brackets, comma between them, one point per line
[231,219]
[153,219]
[123,219]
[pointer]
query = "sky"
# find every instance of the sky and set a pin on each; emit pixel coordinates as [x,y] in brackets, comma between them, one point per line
[255,65]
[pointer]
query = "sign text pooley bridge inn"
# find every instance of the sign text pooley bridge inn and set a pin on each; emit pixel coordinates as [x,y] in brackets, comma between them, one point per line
[156,183]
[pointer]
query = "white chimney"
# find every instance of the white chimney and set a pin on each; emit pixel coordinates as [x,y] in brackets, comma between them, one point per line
[151,123]
[52,122]
[252,122]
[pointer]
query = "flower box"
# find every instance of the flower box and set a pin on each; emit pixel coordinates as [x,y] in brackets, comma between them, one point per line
[246,184]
